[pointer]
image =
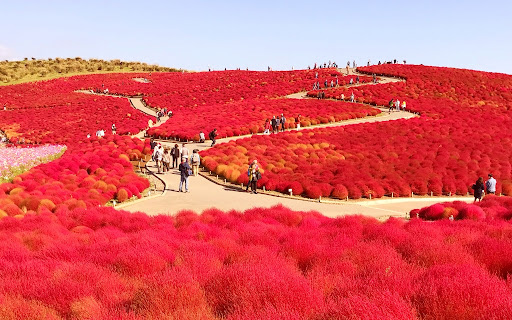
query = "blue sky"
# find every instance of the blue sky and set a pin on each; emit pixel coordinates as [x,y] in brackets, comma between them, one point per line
[256,34]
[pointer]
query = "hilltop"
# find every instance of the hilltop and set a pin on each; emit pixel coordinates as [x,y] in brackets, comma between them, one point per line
[13,72]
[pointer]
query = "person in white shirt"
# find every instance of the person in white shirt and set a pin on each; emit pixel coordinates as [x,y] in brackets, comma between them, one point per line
[490,185]
[201,137]
[158,155]
[397,105]
[184,151]
[195,160]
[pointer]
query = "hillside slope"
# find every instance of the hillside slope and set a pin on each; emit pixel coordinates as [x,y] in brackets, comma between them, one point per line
[13,72]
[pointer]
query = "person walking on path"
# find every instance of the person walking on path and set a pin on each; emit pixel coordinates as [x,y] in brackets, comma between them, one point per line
[397,105]
[195,160]
[212,136]
[201,137]
[278,122]
[158,155]
[274,123]
[297,120]
[249,175]
[184,151]
[352,98]
[166,160]
[267,127]
[152,144]
[175,153]
[283,121]
[490,184]
[185,171]
[357,79]
[478,188]
[114,129]
[390,105]
[255,176]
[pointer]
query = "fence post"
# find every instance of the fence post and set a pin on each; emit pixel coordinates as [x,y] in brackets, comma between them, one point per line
[392,195]
[264,188]
[412,194]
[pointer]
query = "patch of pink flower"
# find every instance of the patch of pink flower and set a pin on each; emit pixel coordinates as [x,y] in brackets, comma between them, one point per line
[13,159]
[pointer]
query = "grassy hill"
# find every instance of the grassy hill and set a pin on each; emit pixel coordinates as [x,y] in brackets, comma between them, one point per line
[12,72]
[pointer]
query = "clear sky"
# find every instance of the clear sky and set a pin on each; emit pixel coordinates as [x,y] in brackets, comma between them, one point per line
[259,33]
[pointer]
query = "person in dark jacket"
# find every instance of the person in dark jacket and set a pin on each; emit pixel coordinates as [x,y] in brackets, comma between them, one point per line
[175,153]
[478,187]
[185,171]
[212,136]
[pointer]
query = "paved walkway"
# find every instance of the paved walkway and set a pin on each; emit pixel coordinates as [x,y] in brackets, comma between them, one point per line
[205,194]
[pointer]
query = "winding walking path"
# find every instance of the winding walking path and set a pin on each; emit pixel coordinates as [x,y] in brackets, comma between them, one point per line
[205,193]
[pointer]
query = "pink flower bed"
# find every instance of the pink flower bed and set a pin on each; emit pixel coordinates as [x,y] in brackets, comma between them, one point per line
[16,160]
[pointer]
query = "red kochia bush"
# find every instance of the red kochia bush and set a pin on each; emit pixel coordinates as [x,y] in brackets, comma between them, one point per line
[261,263]
[490,208]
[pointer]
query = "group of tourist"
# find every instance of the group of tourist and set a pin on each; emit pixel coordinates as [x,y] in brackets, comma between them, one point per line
[395,105]
[276,123]
[162,113]
[324,65]
[479,187]
[168,158]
